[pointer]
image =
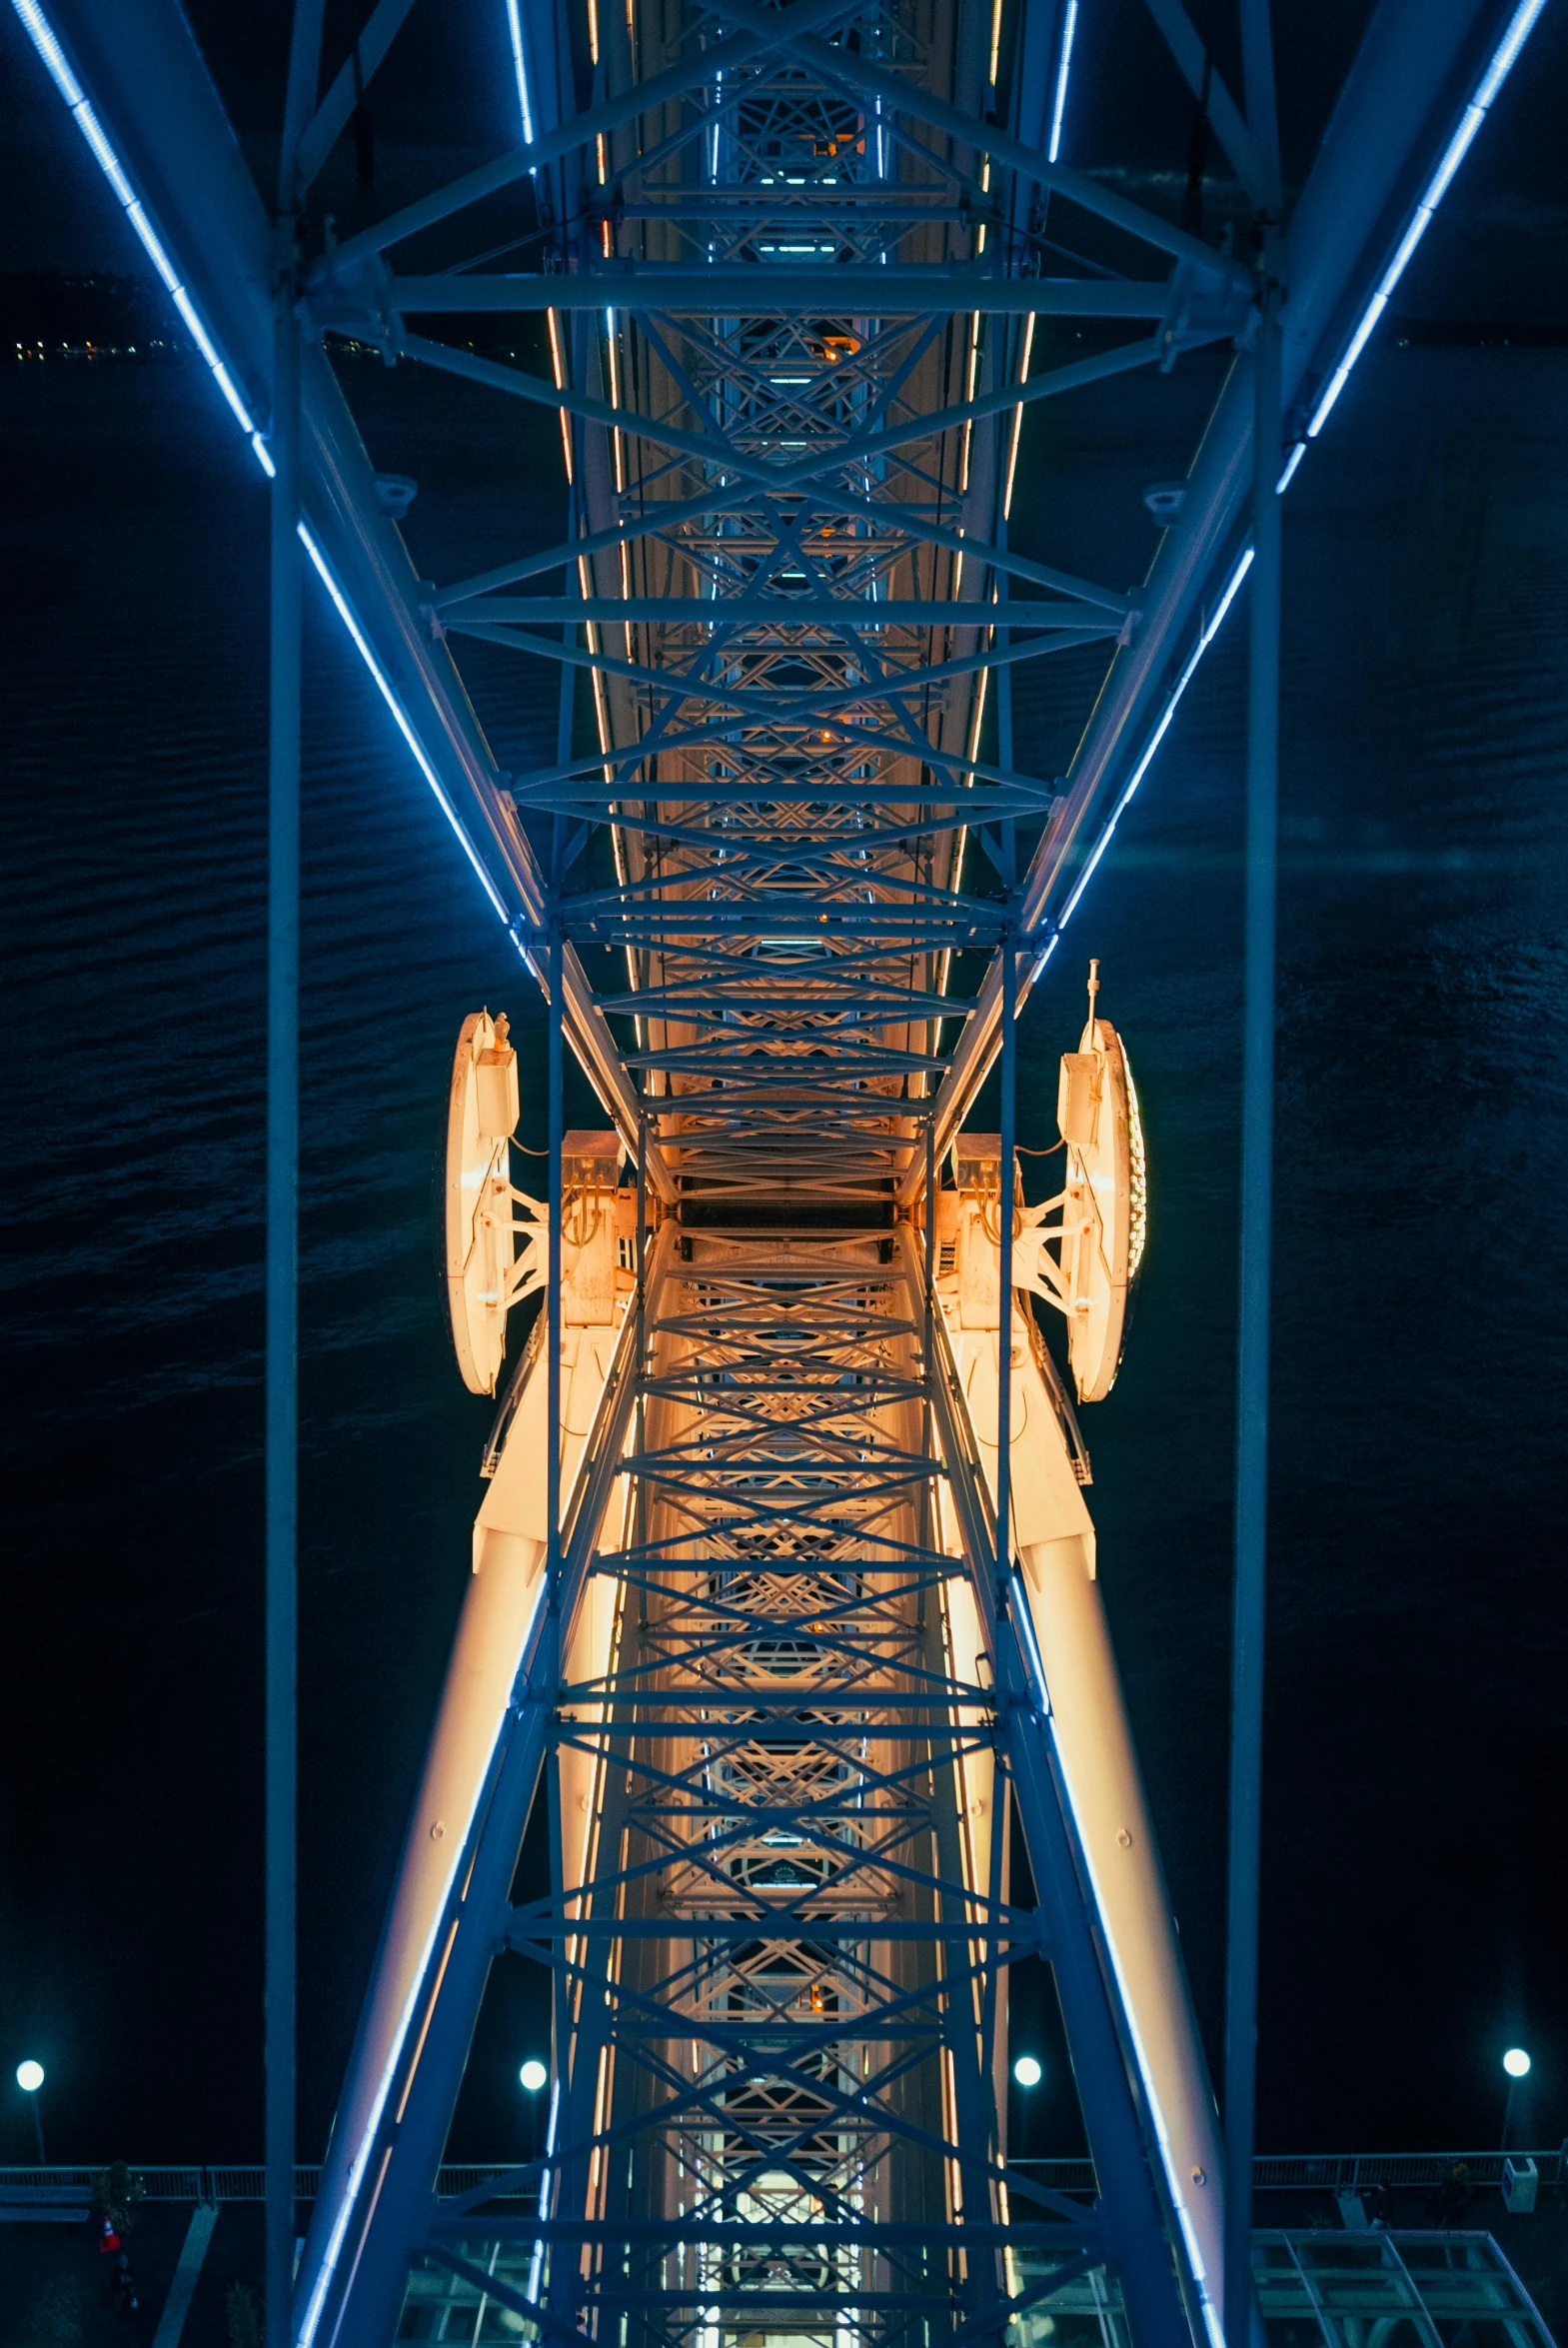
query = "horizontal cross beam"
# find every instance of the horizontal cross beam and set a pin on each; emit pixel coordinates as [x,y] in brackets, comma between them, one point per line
[768,289]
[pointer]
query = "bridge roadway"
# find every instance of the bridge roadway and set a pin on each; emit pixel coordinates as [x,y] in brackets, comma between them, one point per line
[784,1603]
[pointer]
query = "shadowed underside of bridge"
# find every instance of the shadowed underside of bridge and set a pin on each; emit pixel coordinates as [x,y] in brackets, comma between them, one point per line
[783,1612]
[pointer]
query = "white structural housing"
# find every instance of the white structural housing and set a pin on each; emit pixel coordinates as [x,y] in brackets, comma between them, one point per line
[1100,1217]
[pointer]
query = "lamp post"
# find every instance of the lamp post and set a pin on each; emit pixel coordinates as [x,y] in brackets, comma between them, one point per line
[532,2078]
[30,2077]
[1026,2072]
[1517,2065]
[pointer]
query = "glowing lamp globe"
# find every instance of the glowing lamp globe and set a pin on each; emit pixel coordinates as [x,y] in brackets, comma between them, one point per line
[1026,2070]
[29,2077]
[1515,2062]
[533,2074]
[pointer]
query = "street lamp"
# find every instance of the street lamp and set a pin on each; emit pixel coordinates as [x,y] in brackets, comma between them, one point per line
[1026,2070]
[531,2078]
[1517,2065]
[30,2077]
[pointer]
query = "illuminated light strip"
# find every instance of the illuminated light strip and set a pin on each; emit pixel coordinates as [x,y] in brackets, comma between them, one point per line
[1210,629]
[963,828]
[42,37]
[355,2177]
[536,2263]
[968,430]
[593,636]
[515,25]
[558,370]
[1060,108]
[404,726]
[65,81]
[1022,1614]
[618,450]
[1017,417]
[604,226]
[591,630]
[1504,58]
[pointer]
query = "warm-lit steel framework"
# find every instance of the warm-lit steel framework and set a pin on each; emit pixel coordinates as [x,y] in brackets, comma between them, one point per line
[783,1601]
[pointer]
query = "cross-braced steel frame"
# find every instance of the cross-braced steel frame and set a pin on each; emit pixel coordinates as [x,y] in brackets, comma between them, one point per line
[781,1641]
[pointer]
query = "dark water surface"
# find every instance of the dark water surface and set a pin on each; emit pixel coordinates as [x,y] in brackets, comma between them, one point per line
[1414,1818]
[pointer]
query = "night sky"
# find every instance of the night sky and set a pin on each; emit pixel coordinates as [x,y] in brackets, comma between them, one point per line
[1423,1752]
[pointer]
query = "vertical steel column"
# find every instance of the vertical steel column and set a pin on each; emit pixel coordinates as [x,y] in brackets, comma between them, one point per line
[1010,1104]
[556,1643]
[283,1172]
[282,1404]
[929,1514]
[642,1261]
[556,1073]
[553,1292]
[1257,1146]
[931,1239]
[1257,88]
[1004,695]
[1009,1101]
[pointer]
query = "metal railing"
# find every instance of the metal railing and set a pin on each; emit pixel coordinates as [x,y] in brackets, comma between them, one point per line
[228,2181]
[1273,2172]
[1338,2172]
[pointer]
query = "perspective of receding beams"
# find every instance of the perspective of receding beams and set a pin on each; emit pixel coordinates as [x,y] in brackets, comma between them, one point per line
[783,1615]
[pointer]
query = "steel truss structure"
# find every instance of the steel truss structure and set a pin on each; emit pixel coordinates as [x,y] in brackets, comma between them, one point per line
[784,1600]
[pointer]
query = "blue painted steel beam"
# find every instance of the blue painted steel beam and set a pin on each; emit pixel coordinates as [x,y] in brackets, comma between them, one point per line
[570,137]
[282,1305]
[807,874]
[703,291]
[331,118]
[1397,106]
[1022,2233]
[902,95]
[778,611]
[829,498]
[1115,2123]
[780,480]
[163,123]
[1252,1379]
[1256,166]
